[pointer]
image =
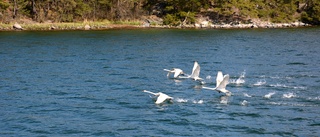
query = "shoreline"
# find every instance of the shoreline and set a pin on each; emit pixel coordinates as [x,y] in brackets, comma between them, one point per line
[108,25]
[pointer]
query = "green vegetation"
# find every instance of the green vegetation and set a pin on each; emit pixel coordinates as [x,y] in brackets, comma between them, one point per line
[173,12]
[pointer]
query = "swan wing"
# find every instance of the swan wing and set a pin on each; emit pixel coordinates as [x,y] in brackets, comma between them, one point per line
[156,94]
[195,70]
[223,83]
[219,78]
[209,88]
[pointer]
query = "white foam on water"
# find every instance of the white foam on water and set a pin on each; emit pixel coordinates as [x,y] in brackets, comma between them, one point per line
[289,95]
[314,98]
[260,82]
[181,100]
[291,104]
[269,95]
[279,85]
[197,102]
[300,87]
[285,86]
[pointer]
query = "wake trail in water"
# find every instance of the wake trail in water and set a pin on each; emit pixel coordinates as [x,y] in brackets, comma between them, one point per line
[289,95]
[285,86]
[181,100]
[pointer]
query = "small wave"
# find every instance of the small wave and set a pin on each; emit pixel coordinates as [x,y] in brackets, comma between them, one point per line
[289,95]
[296,63]
[275,77]
[269,95]
[246,95]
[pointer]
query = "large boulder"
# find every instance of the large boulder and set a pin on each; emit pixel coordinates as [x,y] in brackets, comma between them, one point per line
[17,26]
[87,27]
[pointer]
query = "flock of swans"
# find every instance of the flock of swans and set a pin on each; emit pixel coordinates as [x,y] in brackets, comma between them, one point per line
[221,82]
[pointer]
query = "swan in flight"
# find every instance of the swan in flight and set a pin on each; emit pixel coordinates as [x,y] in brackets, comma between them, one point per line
[177,72]
[221,83]
[161,96]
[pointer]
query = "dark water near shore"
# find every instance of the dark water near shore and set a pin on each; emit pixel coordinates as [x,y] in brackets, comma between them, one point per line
[89,83]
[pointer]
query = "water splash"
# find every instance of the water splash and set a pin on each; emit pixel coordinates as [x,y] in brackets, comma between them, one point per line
[244,103]
[209,77]
[224,100]
[197,102]
[269,95]
[240,80]
[246,95]
[260,82]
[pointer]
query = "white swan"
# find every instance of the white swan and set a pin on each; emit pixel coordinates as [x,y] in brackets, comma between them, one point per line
[161,96]
[221,83]
[177,72]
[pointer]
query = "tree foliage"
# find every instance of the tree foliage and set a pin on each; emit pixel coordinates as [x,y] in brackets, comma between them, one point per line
[173,12]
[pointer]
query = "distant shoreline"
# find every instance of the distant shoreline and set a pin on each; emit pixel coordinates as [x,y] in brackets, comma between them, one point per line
[108,25]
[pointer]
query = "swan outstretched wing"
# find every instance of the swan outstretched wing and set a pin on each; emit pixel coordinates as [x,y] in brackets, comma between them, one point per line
[209,88]
[156,94]
[223,83]
[219,78]
[196,70]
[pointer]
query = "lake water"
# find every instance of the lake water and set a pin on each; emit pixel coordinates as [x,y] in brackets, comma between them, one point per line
[90,83]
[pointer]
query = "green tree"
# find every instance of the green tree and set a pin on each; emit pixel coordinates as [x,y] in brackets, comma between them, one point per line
[312,13]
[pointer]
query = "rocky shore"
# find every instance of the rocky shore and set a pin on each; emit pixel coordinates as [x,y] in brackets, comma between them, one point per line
[206,24]
[104,26]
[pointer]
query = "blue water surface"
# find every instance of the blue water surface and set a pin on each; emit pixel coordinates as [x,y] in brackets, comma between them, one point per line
[90,83]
